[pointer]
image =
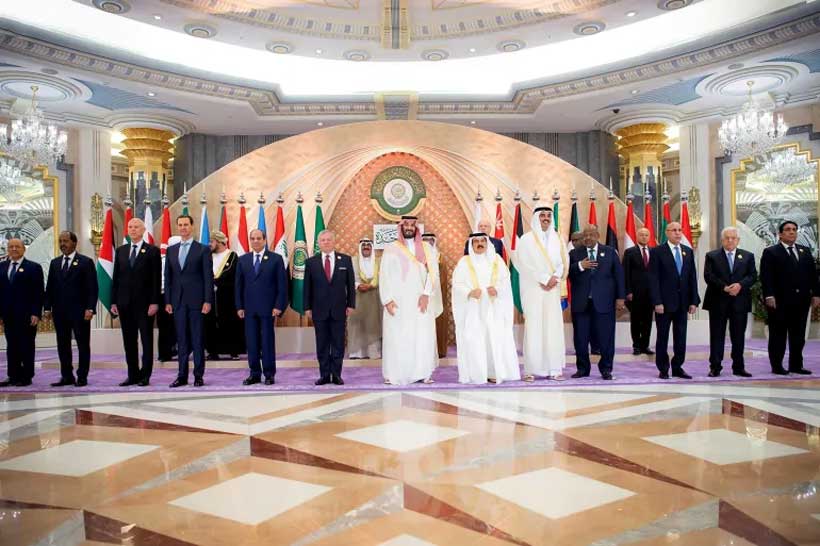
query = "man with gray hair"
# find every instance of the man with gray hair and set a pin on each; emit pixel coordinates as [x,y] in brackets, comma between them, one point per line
[730,273]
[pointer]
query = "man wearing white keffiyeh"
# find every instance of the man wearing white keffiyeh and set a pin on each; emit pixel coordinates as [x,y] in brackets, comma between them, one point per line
[364,327]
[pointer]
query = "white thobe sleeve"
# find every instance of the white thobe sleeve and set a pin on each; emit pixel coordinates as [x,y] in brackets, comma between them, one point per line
[385,286]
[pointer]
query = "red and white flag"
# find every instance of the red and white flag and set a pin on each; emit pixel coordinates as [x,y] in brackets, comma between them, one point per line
[148,236]
[630,235]
[129,215]
[649,223]
[499,230]
[280,242]
[686,227]
[166,230]
[242,245]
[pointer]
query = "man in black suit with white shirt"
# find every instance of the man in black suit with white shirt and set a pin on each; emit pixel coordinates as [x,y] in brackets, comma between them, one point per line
[636,279]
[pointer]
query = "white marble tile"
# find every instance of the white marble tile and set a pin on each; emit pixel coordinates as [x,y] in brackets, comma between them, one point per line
[314,413]
[553,402]
[28,419]
[721,446]
[807,417]
[406,540]
[402,435]
[816,516]
[244,406]
[554,493]
[251,498]
[76,458]
[194,421]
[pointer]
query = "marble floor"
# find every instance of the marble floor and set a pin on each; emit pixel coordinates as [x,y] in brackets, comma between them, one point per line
[733,463]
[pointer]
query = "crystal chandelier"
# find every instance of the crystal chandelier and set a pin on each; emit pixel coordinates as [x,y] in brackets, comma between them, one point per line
[786,167]
[753,131]
[10,177]
[31,140]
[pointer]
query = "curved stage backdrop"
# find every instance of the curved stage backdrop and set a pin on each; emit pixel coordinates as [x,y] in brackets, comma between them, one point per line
[446,163]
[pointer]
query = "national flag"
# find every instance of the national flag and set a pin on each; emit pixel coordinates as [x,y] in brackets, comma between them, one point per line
[555,214]
[318,227]
[129,214]
[297,302]
[242,245]
[148,236]
[593,214]
[280,242]
[499,230]
[166,231]
[105,262]
[223,225]
[649,223]
[666,219]
[574,222]
[515,280]
[612,227]
[631,234]
[476,215]
[686,227]
[260,222]
[205,227]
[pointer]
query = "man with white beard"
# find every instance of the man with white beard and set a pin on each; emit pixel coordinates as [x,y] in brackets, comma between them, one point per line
[364,327]
[483,313]
[541,258]
[408,276]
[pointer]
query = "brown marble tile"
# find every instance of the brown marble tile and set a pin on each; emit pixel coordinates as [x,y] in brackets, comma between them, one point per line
[26,526]
[704,537]
[737,409]
[276,452]
[302,407]
[103,530]
[85,417]
[782,519]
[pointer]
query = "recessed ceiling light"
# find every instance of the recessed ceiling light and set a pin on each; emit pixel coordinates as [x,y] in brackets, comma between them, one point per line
[631,13]
[472,50]
[318,51]
[319,123]
[157,17]
[634,91]
[151,94]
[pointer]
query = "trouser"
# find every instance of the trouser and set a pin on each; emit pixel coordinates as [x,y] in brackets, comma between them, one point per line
[81,329]
[137,325]
[717,338]
[788,322]
[330,346]
[640,325]
[20,336]
[603,325]
[261,342]
[677,320]
[189,327]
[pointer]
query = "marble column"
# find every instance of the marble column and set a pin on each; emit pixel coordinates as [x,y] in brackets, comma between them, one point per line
[92,160]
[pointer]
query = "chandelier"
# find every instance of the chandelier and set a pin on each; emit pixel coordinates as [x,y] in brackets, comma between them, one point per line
[786,167]
[31,140]
[753,131]
[11,180]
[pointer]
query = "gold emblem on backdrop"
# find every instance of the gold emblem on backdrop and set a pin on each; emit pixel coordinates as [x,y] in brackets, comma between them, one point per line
[397,191]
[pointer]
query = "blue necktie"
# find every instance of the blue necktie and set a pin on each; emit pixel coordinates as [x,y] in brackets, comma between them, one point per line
[592,254]
[13,272]
[731,262]
[678,260]
[183,254]
[133,257]
[256,264]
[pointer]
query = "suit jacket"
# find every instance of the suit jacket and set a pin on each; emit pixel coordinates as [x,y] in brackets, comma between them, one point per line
[790,283]
[261,293]
[193,284]
[497,243]
[602,285]
[329,300]
[138,286]
[636,276]
[23,297]
[69,295]
[717,275]
[666,287]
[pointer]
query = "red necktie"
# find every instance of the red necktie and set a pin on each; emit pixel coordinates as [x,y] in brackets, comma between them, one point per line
[327,268]
[645,258]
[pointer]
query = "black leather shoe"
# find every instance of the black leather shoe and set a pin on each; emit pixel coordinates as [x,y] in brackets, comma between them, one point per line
[648,352]
[269,381]
[23,383]
[714,373]
[7,383]
[682,375]
[144,383]
[606,376]
[251,380]
[212,357]
[128,383]
[322,381]
[636,351]
[801,371]
[63,382]
[199,382]
[579,375]
[663,375]
[178,383]
[338,381]
[780,371]
[742,373]
[81,383]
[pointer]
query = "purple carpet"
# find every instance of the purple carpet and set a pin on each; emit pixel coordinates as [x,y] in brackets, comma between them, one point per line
[370,378]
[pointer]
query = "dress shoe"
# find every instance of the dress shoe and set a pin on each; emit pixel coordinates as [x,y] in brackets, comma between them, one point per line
[606,376]
[234,357]
[23,383]
[801,371]
[648,352]
[322,381]
[780,371]
[682,375]
[144,383]
[338,380]
[128,382]
[663,375]
[199,382]
[579,375]
[714,373]
[63,382]
[637,352]
[269,381]
[81,383]
[251,380]
[212,357]
[742,373]
[7,383]
[178,383]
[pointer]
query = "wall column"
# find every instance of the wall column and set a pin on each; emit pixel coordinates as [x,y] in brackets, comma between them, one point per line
[92,175]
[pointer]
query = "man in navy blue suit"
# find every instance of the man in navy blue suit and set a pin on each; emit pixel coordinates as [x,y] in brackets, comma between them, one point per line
[71,297]
[673,289]
[189,294]
[597,282]
[21,307]
[330,297]
[261,296]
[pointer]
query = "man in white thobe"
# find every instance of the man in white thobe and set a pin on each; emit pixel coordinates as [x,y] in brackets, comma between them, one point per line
[408,275]
[483,313]
[437,300]
[364,327]
[541,258]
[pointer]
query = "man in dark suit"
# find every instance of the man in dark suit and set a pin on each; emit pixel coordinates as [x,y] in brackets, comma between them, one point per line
[71,297]
[261,296]
[189,294]
[597,282]
[636,279]
[21,307]
[484,226]
[730,273]
[673,289]
[330,297]
[576,239]
[135,293]
[790,289]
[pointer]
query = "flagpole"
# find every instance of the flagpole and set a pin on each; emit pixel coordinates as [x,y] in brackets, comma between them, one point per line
[299,201]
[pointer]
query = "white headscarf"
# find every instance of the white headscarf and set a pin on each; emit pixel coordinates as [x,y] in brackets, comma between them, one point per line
[482,262]
[550,239]
[368,264]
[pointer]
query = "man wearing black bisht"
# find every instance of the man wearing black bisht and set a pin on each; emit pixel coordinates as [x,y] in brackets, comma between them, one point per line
[224,331]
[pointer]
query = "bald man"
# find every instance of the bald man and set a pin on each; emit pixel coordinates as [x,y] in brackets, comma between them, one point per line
[636,277]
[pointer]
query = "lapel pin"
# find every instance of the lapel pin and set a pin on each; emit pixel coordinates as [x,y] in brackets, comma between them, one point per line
[800,250]
[265,257]
[684,253]
[739,257]
[142,251]
[602,254]
[75,263]
[20,269]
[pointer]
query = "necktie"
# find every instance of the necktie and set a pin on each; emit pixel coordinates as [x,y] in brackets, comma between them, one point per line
[13,271]
[731,256]
[65,265]
[133,256]
[678,260]
[183,254]
[256,263]
[645,258]
[327,267]
[592,254]
[793,254]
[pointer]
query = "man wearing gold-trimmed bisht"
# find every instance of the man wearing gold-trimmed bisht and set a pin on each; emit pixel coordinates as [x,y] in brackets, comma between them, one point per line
[224,332]
[364,327]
